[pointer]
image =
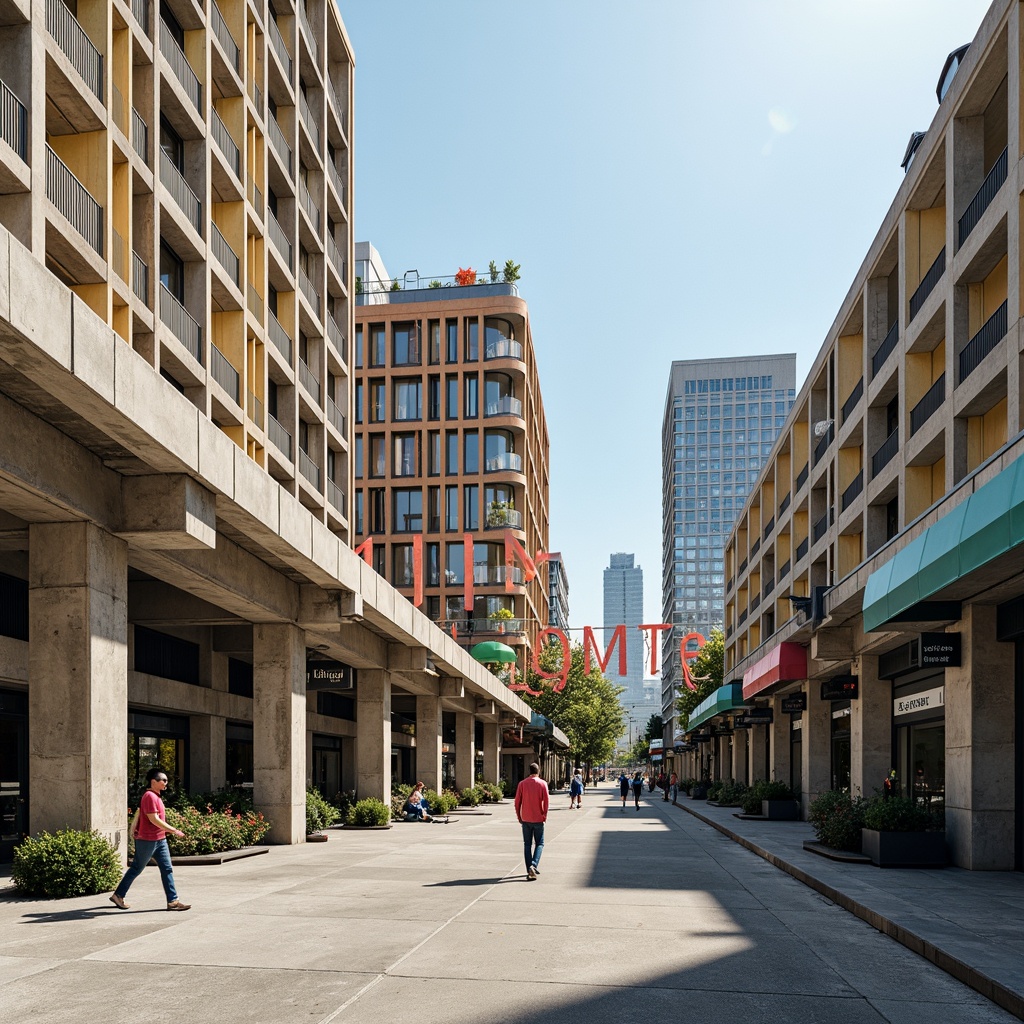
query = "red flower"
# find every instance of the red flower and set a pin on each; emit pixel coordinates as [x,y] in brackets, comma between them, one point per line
[465,276]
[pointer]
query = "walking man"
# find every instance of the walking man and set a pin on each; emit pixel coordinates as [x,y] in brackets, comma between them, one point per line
[532,812]
[623,789]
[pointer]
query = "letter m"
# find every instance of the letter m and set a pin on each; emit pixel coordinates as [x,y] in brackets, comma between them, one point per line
[590,647]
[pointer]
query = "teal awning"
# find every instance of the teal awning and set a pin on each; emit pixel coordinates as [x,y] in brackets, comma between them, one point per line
[984,526]
[725,698]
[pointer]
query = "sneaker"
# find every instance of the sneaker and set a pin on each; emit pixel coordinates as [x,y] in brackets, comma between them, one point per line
[119,902]
[536,870]
[531,873]
[178,905]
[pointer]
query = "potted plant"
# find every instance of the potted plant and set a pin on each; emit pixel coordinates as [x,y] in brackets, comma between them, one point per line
[772,800]
[511,272]
[898,832]
[492,269]
[498,512]
[465,276]
[500,617]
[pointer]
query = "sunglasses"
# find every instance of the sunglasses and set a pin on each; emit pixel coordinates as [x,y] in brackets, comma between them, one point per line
[160,780]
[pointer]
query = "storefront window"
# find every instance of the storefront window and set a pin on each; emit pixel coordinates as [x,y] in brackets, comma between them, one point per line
[841,745]
[919,715]
[156,741]
[238,754]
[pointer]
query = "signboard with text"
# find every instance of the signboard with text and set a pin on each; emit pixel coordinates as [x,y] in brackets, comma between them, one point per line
[329,675]
[794,704]
[940,650]
[840,688]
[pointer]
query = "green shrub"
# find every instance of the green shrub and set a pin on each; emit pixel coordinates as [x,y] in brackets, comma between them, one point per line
[469,797]
[343,802]
[731,793]
[67,863]
[214,831]
[370,811]
[507,788]
[764,789]
[319,813]
[686,785]
[440,803]
[399,794]
[897,814]
[492,791]
[837,819]
[228,798]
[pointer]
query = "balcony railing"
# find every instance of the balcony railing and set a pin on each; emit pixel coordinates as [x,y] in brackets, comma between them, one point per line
[983,342]
[743,566]
[257,97]
[225,254]
[181,323]
[119,255]
[743,616]
[769,586]
[74,41]
[140,277]
[801,548]
[335,175]
[13,121]
[851,492]
[140,136]
[255,195]
[280,239]
[336,338]
[822,446]
[851,403]
[180,66]
[783,570]
[140,8]
[118,109]
[885,349]
[931,402]
[822,525]
[801,477]
[225,143]
[307,289]
[309,382]
[255,410]
[755,602]
[336,496]
[308,204]
[308,31]
[755,547]
[889,447]
[768,527]
[507,461]
[499,518]
[496,575]
[334,255]
[224,37]
[503,348]
[309,469]
[188,202]
[277,44]
[279,143]
[466,628]
[928,282]
[280,338]
[254,301]
[980,203]
[784,504]
[224,373]
[335,416]
[309,121]
[279,436]
[335,100]
[73,199]
[504,406]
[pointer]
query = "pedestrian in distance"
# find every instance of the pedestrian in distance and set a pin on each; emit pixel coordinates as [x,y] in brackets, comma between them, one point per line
[663,785]
[638,788]
[532,811]
[576,791]
[150,833]
[673,788]
[623,789]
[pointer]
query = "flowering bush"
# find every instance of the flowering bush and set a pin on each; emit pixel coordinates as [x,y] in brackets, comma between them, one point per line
[214,831]
[467,276]
[837,819]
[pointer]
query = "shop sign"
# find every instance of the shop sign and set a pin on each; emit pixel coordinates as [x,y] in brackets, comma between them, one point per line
[329,675]
[682,748]
[701,739]
[940,650]
[656,748]
[840,688]
[794,704]
[924,701]
[754,716]
[721,730]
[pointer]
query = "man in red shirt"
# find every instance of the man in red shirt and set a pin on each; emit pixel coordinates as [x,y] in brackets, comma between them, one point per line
[532,812]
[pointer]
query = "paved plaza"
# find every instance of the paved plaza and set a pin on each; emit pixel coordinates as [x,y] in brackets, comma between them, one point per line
[643,915]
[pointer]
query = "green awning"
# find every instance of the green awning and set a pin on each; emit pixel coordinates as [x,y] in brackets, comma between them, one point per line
[986,525]
[725,698]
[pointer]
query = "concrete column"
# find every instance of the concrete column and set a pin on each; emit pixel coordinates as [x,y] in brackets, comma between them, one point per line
[78,670]
[738,768]
[980,747]
[492,752]
[780,743]
[373,734]
[207,752]
[871,753]
[279,729]
[428,741]
[465,749]
[816,747]
[755,755]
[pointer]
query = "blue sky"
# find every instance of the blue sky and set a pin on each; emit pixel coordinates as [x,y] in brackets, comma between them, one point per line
[676,178]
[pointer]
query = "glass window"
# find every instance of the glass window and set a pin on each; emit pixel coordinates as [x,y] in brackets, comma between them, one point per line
[358,402]
[472,328]
[471,452]
[454,565]
[358,457]
[451,465]
[377,353]
[434,453]
[434,397]
[451,328]
[451,509]
[378,466]
[401,561]
[451,398]
[408,399]
[472,392]
[432,564]
[358,524]
[405,345]
[471,507]
[434,336]
[434,510]
[377,401]
[408,510]
[171,145]
[172,271]
[405,455]
[358,354]
[377,522]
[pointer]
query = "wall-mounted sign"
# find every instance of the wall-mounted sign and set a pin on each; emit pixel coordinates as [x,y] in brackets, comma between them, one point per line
[754,716]
[701,739]
[794,704]
[840,688]
[721,730]
[928,700]
[682,748]
[329,675]
[940,650]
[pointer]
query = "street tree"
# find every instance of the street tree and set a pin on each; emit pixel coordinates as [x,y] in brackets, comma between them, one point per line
[654,728]
[707,671]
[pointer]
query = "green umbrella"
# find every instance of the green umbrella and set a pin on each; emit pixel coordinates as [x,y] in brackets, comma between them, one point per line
[491,651]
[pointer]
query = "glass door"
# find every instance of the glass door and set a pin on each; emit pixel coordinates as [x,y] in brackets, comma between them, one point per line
[13,783]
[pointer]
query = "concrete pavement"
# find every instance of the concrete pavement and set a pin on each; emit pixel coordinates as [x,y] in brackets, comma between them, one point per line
[637,915]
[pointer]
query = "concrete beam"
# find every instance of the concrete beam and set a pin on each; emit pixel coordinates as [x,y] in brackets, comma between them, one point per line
[170,512]
[151,602]
[832,645]
[449,687]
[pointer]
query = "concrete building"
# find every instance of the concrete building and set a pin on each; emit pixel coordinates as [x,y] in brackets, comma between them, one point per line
[558,592]
[176,579]
[721,418]
[451,452]
[874,598]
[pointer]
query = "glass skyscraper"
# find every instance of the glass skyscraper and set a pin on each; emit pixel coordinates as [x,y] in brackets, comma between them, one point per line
[721,419]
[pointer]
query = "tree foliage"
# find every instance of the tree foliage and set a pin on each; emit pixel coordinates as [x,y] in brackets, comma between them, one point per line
[587,710]
[638,753]
[655,728]
[707,670]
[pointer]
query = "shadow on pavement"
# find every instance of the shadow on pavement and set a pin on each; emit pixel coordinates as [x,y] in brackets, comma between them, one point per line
[469,881]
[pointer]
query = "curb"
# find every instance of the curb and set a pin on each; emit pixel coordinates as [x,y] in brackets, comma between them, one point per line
[996,991]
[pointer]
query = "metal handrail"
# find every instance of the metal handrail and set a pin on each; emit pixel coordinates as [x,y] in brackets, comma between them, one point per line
[784,504]
[279,238]
[255,410]
[309,121]
[339,185]
[855,396]
[224,373]
[140,277]
[307,289]
[118,110]
[279,143]
[76,45]
[783,570]
[928,405]
[279,46]
[801,548]
[140,136]
[822,446]
[254,300]
[336,496]
[74,200]
[183,326]
[175,56]
[312,210]
[851,492]
[119,255]
[224,36]
[801,477]
[140,8]
[506,405]
[885,349]
[886,450]
[224,253]
[768,527]
[983,197]
[308,29]
[993,332]
[822,525]
[337,338]
[255,195]
[308,381]
[335,416]
[507,461]
[175,183]
[279,436]
[335,99]
[309,469]
[334,255]
[13,121]
[503,348]
[470,627]
[928,283]
[225,143]
[281,339]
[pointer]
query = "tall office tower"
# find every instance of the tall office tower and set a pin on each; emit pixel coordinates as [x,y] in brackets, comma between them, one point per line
[624,605]
[558,592]
[721,419]
[451,441]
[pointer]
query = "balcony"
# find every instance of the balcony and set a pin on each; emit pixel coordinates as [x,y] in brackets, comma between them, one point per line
[743,566]
[769,586]
[503,348]
[335,101]
[255,410]
[467,628]
[280,240]
[225,254]
[309,121]
[501,517]
[279,436]
[181,323]
[928,405]
[224,37]
[801,477]
[76,45]
[851,492]
[335,175]
[280,339]
[336,496]
[73,200]
[336,338]
[980,203]
[888,448]
[307,31]
[224,373]
[851,403]
[928,283]
[279,143]
[755,602]
[312,210]
[822,525]
[784,504]
[755,547]
[277,44]
[335,416]
[308,381]
[180,66]
[140,136]
[783,570]
[254,301]
[885,349]
[505,462]
[13,122]
[983,342]
[768,527]
[743,616]
[801,548]
[310,470]
[140,9]
[496,575]
[119,255]
[504,406]
[140,277]
[822,446]
[188,202]
[225,143]
[334,255]
[312,295]
[255,195]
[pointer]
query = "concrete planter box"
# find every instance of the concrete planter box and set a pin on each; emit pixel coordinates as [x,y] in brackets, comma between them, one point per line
[904,849]
[699,792]
[316,837]
[780,810]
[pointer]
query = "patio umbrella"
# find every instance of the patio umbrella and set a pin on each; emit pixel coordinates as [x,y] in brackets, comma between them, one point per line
[491,651]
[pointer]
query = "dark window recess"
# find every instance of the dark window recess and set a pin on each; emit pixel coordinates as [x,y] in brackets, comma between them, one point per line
[158,654]
[239,678]
[13,607]
[892,518]
[334,705]
[170,380]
